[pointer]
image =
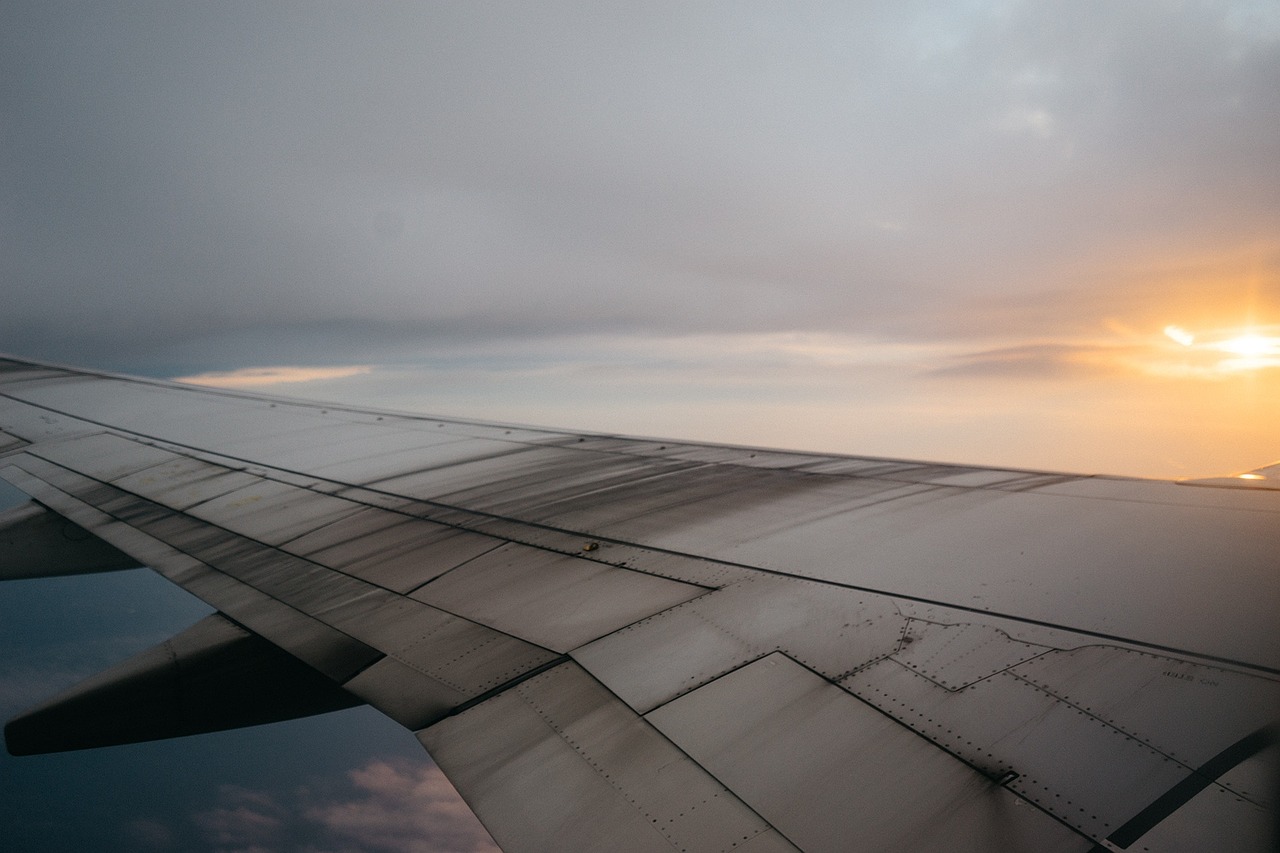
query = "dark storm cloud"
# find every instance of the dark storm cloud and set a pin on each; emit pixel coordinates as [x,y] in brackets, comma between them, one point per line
[173,173]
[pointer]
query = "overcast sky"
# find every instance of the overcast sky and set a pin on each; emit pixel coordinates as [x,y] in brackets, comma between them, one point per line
[944,230]
[950,230]
[907,171]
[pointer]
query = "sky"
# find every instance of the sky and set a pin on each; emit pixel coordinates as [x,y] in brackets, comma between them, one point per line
[1032,234]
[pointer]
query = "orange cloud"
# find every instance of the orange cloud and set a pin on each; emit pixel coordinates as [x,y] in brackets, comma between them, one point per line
[258,377]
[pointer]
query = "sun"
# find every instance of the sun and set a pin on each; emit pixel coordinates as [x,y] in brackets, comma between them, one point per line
[1230,350]
[1250,345]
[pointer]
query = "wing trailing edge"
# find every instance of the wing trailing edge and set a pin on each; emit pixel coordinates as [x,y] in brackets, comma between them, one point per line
[213,676]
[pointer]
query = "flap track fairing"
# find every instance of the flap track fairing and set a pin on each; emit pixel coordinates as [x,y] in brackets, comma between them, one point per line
[214,676]
[36,542]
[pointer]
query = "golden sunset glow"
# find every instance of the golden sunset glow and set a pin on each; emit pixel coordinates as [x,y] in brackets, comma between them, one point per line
[261,377]
[1227,350]
[1251,346]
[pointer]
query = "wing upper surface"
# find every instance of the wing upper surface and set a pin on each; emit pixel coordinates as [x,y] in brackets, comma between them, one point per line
[1004,659]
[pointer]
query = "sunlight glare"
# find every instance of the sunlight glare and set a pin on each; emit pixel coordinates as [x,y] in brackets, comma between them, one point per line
[1223,352]
[1250,346]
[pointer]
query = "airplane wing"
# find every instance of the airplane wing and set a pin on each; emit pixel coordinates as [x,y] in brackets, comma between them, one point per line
[629,644]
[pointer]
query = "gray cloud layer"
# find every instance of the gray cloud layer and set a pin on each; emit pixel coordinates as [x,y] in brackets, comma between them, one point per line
[175,171]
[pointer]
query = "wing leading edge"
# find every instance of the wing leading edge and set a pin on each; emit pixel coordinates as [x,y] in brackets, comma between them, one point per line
[633,644]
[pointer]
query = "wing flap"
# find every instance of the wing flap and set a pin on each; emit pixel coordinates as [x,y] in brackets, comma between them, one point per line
[1092,734]
[1187,710]
[834,774]
[832,630]
[336,654]
[560,737]
[407,657]
[391,550]
[554,600]
[315,613]
[10,443]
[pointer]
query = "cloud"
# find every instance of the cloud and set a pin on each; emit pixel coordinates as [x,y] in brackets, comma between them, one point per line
[244,821]
[402,808]
[435,172]
[385,806]
[1035,362]
[260,377]
[1218,355]
[206,188]
[146,834]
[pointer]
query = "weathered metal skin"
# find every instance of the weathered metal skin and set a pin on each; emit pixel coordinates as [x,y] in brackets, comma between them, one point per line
[628,644]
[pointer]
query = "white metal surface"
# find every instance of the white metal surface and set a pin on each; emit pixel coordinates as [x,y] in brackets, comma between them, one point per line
[462,654]
[1068,762]
[33,424]
[642,793]
[103,456]
[183,482]
[10,442]
[435,662]
[334,437]
[1175,705]
[486,467]
[1197,825]
[833,774]
[957,655]
[551,599]
[375,458]
[401,556]
[273,512]
[832,630]
[1118,567]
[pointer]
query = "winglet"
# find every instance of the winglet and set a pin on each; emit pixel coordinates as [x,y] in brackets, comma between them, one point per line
[1266,477]
[211,677]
